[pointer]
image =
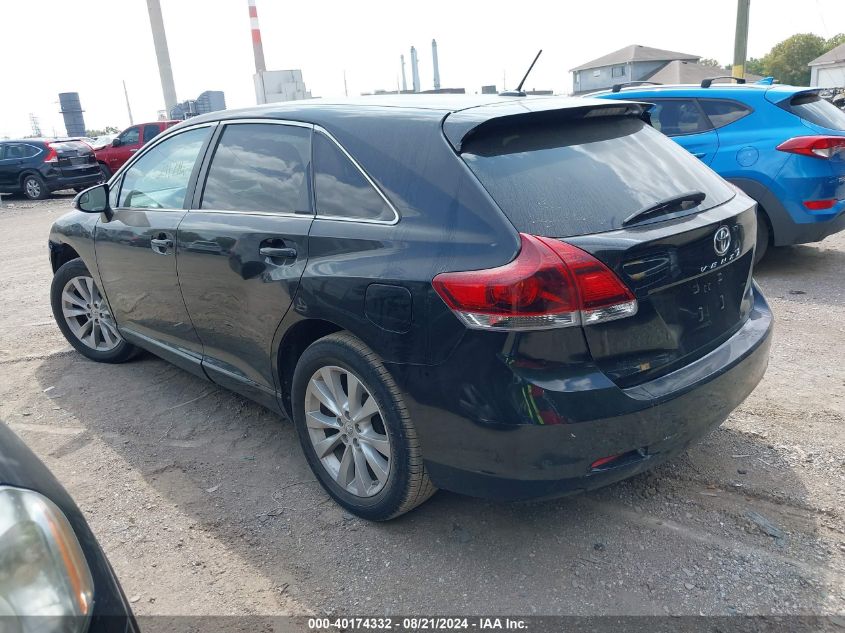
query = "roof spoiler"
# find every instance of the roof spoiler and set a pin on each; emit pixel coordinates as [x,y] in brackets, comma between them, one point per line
[766,81]
[706,83]
[460,126]
[618,87]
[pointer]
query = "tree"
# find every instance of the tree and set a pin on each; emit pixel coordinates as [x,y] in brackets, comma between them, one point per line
[756,66]
[709,62]
[787,61]
[109,129]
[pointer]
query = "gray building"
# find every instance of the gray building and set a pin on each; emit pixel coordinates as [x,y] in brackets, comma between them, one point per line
[632,63]
[208,101]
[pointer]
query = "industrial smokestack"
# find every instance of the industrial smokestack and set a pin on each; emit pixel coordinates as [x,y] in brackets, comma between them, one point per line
[162,54]
[415,70]
[436,64]
[257,47]
[404,81]
[72,113]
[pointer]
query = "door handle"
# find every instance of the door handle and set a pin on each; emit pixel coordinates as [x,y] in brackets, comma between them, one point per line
[281,253]
[132,151]
[161,245]
[700,154]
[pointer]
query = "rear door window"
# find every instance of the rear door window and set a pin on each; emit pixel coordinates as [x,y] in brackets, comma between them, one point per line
[722,113]
[674,117]
[567,179]
[341,189]
[811,107]
[260,167]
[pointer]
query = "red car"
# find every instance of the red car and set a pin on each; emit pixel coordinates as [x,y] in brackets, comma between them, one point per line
[111,158]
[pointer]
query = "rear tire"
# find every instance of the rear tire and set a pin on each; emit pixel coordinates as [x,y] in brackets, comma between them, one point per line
[347,407]
[34,187]
[764,236]
[83,315]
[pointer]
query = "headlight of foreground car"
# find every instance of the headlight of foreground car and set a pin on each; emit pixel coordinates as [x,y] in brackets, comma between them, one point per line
[43,571]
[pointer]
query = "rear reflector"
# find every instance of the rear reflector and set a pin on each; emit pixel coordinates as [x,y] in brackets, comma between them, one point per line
[820,205]
[550,284]
[815,146]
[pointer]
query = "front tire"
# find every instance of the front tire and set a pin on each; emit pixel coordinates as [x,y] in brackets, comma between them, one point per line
[83,315]
[355,430]
[105,171]
[34,187]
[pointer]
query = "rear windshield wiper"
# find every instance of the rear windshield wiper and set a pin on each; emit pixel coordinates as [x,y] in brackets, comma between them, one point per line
[682,202]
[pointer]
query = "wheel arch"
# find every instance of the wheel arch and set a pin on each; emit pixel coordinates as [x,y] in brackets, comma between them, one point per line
[60,254]
[294,342]
[28,172]
[781,225]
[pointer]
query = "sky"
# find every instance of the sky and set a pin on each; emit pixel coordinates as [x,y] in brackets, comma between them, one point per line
[91,46]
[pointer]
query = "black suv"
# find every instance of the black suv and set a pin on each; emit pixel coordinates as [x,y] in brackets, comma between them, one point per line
[506,297]
[38,167]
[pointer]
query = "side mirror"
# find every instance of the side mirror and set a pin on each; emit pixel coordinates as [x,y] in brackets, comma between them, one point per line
[116,142]
[93,200]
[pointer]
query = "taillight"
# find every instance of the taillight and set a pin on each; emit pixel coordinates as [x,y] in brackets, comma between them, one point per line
[815,146]
[51,157]
[550,284]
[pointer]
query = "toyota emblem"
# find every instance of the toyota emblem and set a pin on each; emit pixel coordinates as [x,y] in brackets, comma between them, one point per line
[722,241]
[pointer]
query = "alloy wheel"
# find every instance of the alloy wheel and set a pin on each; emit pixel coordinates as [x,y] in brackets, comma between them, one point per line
[33,188]
[347,432]
[87,315]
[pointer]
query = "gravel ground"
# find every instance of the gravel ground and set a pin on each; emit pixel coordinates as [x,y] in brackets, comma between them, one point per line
[204,504]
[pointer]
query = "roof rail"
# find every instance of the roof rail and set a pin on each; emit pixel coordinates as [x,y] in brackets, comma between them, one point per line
[618,87]
[705,83]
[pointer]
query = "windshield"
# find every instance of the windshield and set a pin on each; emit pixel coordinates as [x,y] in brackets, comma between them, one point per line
[568,179]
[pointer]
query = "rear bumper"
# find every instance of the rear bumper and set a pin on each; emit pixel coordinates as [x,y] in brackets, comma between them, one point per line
[646,424]
[57,180]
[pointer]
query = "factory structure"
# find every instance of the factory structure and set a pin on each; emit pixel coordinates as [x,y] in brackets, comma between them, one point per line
[415,76]
[208,101]
[71,111]
[272,85]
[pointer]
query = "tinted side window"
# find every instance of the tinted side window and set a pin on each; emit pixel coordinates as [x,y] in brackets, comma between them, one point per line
[260,167]
[16,150]
[150,132]
[678,116]
[722,113]
[130,136]
[341,190]
[159,179]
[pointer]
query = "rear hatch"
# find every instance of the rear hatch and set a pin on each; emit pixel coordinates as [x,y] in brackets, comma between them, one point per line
[75,159]
[580,177]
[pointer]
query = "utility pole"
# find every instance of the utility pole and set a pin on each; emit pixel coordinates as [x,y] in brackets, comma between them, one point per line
[741,39]
[162,54]
[129,109]
[345,89]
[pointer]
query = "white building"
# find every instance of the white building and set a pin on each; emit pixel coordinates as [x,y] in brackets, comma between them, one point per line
[828,71]
[280,85]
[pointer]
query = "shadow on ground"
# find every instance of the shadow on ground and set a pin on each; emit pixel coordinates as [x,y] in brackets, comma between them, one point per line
[676,540]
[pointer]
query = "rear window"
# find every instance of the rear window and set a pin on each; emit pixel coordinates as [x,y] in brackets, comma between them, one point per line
[572,179]
[811,107]
[71,146]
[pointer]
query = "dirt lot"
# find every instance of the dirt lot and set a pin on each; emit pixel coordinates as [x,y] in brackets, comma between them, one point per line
[204,504]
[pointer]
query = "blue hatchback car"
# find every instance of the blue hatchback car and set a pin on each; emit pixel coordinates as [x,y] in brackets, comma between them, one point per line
[784,146]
